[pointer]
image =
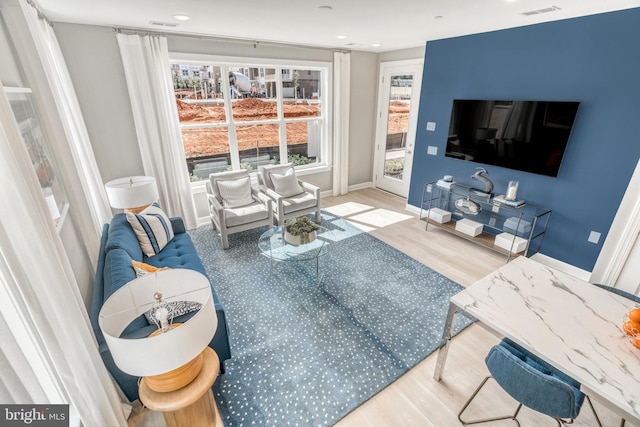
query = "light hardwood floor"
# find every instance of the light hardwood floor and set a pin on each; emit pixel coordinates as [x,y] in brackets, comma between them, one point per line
[416,399]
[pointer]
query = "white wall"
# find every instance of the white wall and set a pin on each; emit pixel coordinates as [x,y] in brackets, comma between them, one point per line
[10,73]
[94,63]
[362,116]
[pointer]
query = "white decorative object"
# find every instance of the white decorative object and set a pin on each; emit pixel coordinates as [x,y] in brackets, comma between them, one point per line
[512,190]
[505,240]
[517,225]
[445,184]
[439,215]
[299,240]
[469,227]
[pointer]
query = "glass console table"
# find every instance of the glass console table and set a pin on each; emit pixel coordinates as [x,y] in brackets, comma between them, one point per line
[521,229]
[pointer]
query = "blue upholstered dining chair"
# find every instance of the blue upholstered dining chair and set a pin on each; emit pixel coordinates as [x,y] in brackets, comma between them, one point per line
[533,383]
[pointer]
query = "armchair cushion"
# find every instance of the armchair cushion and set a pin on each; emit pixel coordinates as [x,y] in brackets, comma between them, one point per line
[286,185]
[267,171]
[235,192]
[245,214]
[298,202]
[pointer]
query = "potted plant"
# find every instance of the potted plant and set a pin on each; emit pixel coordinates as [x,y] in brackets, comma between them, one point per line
[300,230]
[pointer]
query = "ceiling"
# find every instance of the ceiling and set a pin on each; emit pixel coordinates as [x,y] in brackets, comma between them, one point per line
[390,24]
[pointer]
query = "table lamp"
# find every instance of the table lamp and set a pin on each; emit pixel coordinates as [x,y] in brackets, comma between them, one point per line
[169,358]
[133,194]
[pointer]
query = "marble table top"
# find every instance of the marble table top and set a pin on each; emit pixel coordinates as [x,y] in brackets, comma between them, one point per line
[569,323]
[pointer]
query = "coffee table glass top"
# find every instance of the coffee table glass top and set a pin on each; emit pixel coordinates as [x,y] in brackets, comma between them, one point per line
[273,245]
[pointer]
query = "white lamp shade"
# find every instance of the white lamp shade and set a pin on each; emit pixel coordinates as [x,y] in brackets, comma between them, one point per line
[132,192]
[167,351]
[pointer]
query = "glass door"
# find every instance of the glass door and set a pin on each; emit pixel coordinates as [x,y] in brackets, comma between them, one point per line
[395,137]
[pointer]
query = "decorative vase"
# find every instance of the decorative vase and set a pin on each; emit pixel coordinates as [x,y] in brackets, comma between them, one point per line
[303,239]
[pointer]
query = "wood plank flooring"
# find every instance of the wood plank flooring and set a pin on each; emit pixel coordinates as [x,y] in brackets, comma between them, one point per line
[416,399]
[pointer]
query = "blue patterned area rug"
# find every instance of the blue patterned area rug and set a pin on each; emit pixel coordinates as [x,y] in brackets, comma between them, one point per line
[306,353]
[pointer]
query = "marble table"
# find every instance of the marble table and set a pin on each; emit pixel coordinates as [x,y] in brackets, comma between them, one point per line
[567,322]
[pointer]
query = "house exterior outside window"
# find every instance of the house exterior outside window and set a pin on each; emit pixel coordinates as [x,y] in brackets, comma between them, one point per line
[237,115]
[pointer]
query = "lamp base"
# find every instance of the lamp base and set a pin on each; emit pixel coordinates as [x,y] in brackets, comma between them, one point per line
[176,379]
[137,209]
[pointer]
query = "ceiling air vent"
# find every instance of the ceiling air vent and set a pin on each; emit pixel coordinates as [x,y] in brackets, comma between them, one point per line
[539,11]
[163,24]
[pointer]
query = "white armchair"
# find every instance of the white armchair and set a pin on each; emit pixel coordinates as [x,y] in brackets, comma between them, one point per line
[291,197]
[234,205]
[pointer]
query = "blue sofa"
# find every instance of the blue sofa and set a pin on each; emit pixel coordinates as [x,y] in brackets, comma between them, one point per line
[118,247]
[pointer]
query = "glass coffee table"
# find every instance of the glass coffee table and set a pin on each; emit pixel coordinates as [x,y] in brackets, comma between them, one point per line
[273,245]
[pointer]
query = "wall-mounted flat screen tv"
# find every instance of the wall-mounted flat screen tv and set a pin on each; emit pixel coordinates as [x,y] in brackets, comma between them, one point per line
[530,136]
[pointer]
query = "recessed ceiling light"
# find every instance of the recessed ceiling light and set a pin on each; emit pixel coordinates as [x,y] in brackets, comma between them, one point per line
[342,36]
[325,8]
[180,17]
[376,44]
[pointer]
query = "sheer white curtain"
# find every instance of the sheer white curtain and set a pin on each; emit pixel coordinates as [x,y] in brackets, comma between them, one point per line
[95,208]
[341,98]
[47,351]
[146,67]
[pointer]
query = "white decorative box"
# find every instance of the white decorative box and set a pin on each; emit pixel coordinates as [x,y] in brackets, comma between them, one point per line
[469,227]
[512,223]
[439,215]
[505,240]
[445,184]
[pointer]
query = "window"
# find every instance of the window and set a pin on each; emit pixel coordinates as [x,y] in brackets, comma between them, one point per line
[37,144]
[243,116]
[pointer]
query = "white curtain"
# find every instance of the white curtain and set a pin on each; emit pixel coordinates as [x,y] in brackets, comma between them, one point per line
[47,351]
[146,67]
[341,97]
[95,208]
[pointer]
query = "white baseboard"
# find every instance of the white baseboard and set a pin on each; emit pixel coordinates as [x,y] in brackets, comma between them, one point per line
[360,186]
[562,266]
[412,209]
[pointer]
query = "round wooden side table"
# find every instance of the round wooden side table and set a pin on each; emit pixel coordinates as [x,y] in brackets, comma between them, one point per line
[193,404]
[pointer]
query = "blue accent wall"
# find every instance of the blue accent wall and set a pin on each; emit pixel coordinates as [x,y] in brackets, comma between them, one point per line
[594,60]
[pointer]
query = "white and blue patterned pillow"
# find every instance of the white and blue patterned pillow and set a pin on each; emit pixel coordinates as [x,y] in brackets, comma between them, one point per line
[153,229]
[176,308]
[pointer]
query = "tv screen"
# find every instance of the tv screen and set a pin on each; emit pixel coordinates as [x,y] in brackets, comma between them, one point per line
[530,136]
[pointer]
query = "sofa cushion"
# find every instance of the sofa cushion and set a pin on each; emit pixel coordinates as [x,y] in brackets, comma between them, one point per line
[153,229]
[179,253]
[121,236]
[117,271]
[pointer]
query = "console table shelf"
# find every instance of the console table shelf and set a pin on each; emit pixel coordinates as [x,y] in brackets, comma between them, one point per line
[526,224]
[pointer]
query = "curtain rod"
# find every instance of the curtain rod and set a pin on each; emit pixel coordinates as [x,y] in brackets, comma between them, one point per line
[255,43]
[39,12]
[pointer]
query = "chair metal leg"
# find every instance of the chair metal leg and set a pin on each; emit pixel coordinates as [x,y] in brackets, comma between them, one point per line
[486,420]
[595,414]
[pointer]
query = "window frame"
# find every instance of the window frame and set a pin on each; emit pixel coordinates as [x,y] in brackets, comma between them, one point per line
[326,69]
